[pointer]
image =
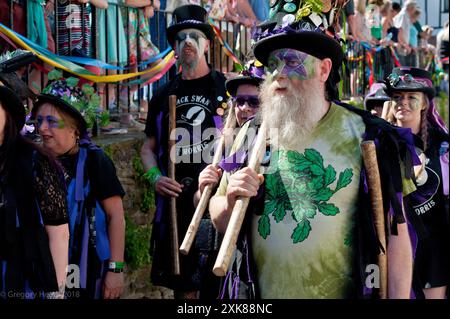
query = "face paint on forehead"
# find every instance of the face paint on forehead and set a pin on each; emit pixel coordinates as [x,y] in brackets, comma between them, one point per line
[291,63]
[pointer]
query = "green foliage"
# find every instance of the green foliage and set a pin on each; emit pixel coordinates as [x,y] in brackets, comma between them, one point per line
[359,104]
[137,244]
[54,75]
[84,99]
[148,194]
[442,106]
[108,151]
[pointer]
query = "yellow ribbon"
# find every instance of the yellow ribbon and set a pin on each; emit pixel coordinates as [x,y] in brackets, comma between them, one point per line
[94,78]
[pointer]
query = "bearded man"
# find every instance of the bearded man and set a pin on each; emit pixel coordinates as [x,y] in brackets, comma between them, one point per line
[308,230]
[201,98]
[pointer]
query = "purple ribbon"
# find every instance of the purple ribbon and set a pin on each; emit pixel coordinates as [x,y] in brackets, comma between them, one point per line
[406,134]
[234,161]
[444,168]
[218,122]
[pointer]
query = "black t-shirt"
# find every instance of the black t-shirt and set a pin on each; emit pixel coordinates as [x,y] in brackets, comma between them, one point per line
[100,171]
[428,200]
[197,107]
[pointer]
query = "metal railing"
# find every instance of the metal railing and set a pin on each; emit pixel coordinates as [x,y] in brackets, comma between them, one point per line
[80,35]
[121,99]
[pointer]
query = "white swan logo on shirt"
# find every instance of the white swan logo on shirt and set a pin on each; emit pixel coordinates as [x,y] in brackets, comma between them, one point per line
[195,116]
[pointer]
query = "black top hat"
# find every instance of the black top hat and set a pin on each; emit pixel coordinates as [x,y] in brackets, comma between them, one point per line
[11,62]
[377,94]
[12,105]
[253,74]
[189,17]
[294,24]
[408,79]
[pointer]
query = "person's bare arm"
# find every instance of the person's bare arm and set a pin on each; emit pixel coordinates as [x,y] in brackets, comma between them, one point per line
[101,4]
[58,237]
[164,185]
[245,9]
[352,25]
[114,282]
[148,156]
[400,264]
[138,3]
[402,41]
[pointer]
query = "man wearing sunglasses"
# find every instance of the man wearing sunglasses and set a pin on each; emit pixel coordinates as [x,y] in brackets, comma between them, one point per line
[201,96]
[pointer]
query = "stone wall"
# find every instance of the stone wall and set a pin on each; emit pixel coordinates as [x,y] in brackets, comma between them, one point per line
[124,151]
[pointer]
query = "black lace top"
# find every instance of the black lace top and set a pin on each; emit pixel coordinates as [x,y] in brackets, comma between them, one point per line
[50,192]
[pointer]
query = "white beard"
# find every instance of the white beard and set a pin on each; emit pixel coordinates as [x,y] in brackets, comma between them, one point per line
[291,117]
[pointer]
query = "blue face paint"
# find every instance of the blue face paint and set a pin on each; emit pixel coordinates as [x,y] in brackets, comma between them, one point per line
[291,63]
[52,121]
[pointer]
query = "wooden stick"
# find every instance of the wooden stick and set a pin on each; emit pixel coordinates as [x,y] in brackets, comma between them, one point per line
[237,216]
[173,200]
[207,191]
[376,197]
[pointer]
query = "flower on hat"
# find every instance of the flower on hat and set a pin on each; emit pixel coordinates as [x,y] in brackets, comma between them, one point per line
[84,98]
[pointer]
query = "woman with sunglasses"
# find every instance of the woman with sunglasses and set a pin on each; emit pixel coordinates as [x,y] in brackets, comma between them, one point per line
[34,233]
[412,92]
[96,214]
[244,91]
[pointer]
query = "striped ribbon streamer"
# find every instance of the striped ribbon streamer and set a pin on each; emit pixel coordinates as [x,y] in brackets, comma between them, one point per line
[395,57]
[90,61]
[226,47]
[58,62]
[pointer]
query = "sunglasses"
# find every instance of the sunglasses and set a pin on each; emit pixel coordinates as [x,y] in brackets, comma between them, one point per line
[181,36]
[251,100]
[52,121]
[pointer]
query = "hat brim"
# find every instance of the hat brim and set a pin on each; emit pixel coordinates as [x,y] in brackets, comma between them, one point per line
[64,106]
[369,101]
[174,29]
[429,91]
[233,84]
[316,44]
[12,105]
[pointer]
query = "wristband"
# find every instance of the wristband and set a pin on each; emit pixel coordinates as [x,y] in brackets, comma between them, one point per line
[152,175]
[116,266]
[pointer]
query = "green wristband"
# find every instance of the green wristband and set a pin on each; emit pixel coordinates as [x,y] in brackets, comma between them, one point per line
[152,175]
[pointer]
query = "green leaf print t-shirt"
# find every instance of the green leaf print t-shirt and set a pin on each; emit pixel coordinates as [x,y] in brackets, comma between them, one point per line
[302,242]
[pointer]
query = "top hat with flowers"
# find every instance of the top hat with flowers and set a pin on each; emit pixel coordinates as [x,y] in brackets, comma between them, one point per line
[304,25]
[253,73]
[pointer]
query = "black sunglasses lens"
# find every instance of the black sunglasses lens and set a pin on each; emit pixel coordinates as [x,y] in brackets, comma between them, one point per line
[240,101]
[253,102]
